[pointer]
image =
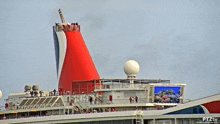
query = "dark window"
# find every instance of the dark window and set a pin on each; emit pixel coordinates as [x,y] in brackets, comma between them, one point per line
[201,110]
[195,110]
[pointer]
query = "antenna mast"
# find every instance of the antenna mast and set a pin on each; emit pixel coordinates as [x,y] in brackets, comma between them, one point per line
[62,18]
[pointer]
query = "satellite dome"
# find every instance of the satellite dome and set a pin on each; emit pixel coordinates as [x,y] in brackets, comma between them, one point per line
[0,94]
[131,68]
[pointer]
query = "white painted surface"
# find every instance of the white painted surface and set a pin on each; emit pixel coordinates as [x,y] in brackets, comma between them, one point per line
[62,50]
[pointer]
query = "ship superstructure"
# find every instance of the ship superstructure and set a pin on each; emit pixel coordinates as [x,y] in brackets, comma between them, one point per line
[82,97]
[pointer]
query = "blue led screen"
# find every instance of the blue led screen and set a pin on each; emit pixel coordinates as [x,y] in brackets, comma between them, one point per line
[167,94]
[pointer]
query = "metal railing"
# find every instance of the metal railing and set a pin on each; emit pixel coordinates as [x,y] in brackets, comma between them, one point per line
[123,101]
[120,85]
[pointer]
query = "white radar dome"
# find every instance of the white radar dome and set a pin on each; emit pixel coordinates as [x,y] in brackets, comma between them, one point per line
[131,68]
[0,94]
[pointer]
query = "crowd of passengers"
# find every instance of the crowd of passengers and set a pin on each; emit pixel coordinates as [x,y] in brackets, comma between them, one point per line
[35,93]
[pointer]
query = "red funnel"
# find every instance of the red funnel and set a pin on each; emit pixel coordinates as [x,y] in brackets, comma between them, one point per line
[77,64]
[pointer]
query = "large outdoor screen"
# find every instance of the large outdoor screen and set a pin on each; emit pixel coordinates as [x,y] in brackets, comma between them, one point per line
[167,94]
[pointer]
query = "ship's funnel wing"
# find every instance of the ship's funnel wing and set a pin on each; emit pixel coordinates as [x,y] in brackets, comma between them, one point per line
[61,17]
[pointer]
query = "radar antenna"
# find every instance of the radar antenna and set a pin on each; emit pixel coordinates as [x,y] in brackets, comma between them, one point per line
[62,18]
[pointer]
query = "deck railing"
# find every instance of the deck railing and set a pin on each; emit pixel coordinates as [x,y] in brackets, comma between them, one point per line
[123,101]
[120,86]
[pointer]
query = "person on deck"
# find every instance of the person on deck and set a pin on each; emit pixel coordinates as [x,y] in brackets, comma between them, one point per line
[90,100]
[54,92]
[32,93]
[130,99]
[41,93]
[95,100]
[136,98]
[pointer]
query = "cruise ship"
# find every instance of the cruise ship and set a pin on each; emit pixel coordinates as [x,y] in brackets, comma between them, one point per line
[83,97]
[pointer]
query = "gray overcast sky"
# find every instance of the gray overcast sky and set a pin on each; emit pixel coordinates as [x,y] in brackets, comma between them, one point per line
[176,40]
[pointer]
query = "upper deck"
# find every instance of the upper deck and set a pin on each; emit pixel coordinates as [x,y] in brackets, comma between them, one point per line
[125,84]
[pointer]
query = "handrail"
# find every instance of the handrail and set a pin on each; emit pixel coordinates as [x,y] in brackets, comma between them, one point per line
[205,97]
